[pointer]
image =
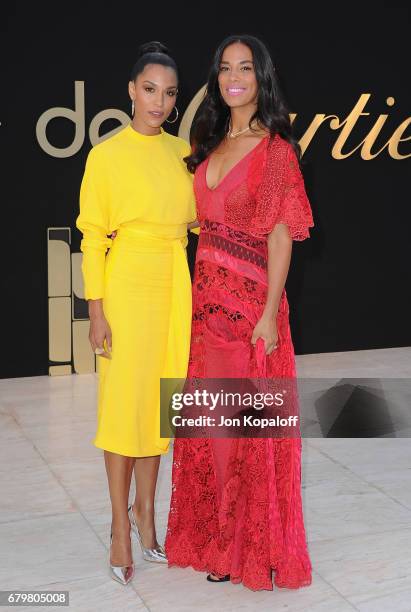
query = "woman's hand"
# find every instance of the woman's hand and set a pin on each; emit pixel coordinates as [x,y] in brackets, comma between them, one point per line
[99,329]
[193,225]
[113,234]
[266,329]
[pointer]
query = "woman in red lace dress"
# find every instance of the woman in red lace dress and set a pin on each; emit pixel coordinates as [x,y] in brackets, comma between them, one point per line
[236,508]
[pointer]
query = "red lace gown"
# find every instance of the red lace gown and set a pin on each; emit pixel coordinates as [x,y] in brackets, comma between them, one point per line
[236,503]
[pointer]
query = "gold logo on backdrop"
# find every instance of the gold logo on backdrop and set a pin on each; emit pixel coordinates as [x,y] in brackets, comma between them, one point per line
[346,127]
[69,348]
[77,116]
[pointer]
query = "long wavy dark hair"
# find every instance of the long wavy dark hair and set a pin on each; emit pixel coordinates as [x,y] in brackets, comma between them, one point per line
[210,123]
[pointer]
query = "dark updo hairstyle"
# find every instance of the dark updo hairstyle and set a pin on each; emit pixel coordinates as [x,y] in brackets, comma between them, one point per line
[211,121]
[152,53]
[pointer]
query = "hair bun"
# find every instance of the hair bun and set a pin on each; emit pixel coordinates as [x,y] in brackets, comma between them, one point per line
[152,47]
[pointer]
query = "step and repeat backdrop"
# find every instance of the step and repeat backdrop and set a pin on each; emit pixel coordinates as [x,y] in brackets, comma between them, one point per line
[64,88]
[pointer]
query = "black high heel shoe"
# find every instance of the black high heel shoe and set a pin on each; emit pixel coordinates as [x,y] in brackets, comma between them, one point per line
[223,579]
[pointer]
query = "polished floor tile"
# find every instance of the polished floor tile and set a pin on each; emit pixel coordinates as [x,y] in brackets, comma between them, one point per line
[366,566]
[31,492]
[49,549]
[397,602]
[98,593]
[163,588]
[55,510]
[338,503]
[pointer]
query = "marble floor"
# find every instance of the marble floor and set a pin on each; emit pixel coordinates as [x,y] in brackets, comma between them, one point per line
[55,513]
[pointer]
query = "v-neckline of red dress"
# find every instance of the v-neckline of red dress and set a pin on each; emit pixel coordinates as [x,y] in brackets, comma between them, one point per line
[231,169]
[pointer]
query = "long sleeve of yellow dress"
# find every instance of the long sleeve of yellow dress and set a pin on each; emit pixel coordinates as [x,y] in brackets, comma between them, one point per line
[93,222]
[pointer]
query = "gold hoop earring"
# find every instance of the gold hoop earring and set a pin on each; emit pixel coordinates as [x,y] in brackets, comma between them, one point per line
[174,120]
[132,108]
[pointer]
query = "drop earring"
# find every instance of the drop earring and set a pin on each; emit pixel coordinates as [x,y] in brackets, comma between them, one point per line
[132,108]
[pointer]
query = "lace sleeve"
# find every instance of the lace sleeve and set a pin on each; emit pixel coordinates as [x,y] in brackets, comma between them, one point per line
[281,196]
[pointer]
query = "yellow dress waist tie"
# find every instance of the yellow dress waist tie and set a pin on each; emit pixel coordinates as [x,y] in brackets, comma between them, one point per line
[141,237]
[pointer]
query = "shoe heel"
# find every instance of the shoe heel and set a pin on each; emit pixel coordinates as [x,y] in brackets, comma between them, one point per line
[154,555]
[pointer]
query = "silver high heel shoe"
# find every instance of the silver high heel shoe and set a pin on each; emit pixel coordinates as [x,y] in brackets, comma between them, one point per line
[121,573]
[155,555]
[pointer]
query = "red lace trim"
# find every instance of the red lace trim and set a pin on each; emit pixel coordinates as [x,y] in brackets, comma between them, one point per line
[281,196]
[234,249]
[235,235]
[243,534]
[210,276]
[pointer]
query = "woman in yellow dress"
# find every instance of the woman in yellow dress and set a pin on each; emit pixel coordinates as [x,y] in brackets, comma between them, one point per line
[139,294]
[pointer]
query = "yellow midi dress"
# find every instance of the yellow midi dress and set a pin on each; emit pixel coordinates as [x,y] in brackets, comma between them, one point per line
[139,186]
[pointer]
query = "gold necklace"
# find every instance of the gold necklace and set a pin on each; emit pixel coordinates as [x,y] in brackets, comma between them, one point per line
[231,133]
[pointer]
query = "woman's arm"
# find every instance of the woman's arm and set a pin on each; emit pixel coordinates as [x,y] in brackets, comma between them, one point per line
[100,330]
[192,225]
[283,214]
[279,245]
